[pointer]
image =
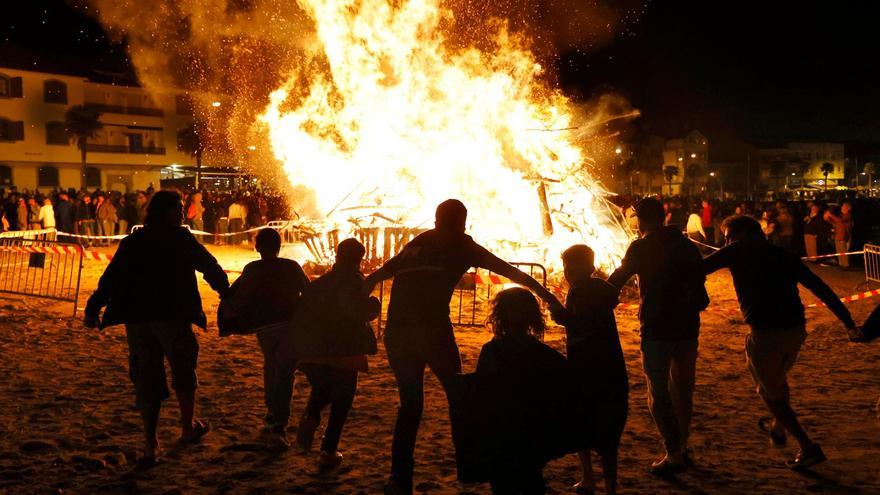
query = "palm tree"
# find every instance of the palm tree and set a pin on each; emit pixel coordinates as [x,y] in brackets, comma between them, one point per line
[670,172]
[869,170]
[189,140]
[82,123]
[827,168]
[693,172]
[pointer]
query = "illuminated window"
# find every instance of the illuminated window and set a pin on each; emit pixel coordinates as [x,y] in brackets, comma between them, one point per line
[54,91]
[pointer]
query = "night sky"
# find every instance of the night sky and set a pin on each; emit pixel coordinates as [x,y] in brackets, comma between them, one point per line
[746,70]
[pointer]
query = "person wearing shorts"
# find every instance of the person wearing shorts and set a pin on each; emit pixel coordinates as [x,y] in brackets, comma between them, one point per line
[150,286]
[766,279]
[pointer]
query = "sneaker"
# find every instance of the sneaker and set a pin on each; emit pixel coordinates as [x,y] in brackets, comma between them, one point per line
[807,457]
[583,488]
[329,460]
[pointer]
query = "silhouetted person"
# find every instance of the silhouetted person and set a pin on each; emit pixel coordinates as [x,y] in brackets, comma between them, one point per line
[331,341]
[419,332]
[596,359]
[150,286]
[523,385]
[64,214]
[766,280]
[672,293]
[263,301]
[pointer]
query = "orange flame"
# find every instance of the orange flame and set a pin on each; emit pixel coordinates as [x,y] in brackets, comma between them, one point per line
[387,120]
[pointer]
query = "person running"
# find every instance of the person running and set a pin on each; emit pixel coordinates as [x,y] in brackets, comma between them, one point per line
[766,279]
[331,338]
[672,293]
[263,301]
[596,359]
[150,287]
[419,332]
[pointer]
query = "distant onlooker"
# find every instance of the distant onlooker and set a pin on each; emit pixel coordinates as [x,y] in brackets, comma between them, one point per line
[237,216]
[817,232]
[843,227]
[33,214]
[46,215]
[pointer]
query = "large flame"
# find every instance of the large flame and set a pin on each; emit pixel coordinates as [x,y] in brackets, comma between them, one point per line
[387,119]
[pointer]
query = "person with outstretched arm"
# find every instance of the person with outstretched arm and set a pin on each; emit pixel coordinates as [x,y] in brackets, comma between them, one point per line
[672,294]
[766,279]
[150,286]
[419,332]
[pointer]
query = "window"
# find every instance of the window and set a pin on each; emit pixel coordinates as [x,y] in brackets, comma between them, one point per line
[184,105]
[54,91]
[56,133]
[47,177]
[5,90]
[11,131]
[5,176]
[93,177]
[10,87]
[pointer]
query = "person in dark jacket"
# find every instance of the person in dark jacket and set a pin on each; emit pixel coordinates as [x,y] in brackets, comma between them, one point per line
[64,213]
[596,359]
[419,332]
[332,338]
[522,385]
[150,287]
[766,280]
[263,301]
[672,292]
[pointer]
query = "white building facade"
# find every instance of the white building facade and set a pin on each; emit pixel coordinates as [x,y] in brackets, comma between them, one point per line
[138,137]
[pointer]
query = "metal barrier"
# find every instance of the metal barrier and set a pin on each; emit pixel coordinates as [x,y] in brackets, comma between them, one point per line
[469,296]
[872,263]
[41,268]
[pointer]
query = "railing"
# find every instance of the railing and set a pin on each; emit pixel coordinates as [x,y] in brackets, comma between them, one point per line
[470,303]
[130,110]
[40,268]
[872,263]
[122,148]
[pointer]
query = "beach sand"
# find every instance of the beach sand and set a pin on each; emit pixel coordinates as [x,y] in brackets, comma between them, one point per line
[68,422]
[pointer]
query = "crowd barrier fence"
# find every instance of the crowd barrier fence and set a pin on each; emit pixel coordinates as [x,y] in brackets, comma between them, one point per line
[41,268]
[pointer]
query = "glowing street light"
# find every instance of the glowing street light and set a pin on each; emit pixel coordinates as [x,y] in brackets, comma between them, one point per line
[618,150]
[215,104]
[693,155]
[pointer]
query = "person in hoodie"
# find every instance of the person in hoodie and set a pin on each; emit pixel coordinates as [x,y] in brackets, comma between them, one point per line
[331,341]
[150,287]
[672,293]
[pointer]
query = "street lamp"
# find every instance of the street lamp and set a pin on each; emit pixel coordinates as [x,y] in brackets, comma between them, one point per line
[720,184]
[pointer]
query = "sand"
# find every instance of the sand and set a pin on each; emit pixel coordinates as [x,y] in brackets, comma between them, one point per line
[68,423]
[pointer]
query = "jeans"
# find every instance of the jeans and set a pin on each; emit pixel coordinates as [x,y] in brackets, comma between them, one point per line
[334,387]
[236,225]
[670,368]
[122,227]
[408,362]
[277,381]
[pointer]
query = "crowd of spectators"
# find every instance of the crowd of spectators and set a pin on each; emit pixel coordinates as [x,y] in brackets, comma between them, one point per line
[109,213]
[809,227]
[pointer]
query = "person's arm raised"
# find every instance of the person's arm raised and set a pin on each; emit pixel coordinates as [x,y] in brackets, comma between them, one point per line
[495,264]
[385,272]
[818,287]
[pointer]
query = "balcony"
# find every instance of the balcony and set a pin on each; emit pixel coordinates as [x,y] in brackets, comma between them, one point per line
[128,110]
[121,148]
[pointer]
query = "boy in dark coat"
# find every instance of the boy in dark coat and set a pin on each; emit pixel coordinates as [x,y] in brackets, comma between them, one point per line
[596,359]
[262,301]
[330,340]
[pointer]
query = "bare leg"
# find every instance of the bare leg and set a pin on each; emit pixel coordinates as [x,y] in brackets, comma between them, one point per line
[786,417]
[150,416]
[587,482]
[187,402]
[609,469]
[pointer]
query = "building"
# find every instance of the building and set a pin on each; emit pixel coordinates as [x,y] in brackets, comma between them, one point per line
[800,166]
[137,141]
[689,156]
